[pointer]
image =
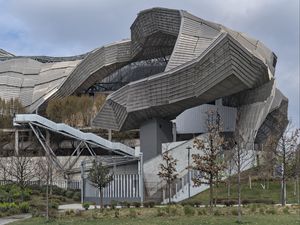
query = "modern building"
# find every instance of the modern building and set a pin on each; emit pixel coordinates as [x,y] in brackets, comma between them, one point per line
[162,81]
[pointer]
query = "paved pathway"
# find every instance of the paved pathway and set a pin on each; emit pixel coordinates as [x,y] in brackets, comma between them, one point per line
[10,219]
[69,207]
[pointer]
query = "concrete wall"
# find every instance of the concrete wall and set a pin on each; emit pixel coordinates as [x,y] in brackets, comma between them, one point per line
[193,120]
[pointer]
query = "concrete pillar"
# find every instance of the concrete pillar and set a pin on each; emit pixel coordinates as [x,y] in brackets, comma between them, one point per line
[174,132]
[109,134]
[152,134]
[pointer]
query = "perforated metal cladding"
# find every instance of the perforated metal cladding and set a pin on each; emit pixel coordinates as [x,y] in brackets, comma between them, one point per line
[154,33]
[194,38]
[212,75]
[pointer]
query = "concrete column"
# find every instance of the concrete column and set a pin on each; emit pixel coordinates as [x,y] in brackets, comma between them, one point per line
[152,134]
[109,134]
[174,132]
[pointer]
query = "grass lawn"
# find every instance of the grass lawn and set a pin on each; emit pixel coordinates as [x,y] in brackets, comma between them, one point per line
[178,220]
[177,215]
[256,192]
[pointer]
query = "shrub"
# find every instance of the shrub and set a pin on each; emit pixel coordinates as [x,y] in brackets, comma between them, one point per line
[161,212]
[136,204]
[132,213]
[86,205]
[172,210]
[217,212]
[58,191]
[149,204]
[125,204]
[53,205]
[13,211]
[69,194]
[234,212]
[189,210]
[271,211]
[286,210]
[24,207]
[261,210]
[253,208]
[78,212]
[117,213]
[229,202]
[77,196]
[69,212]
[202,212]
[113,204]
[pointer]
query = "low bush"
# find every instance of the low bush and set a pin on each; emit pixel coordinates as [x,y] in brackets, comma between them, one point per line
[149,204]
[271,211]
[261,210]
[217,212]
[113,204]
[253,208]
[117,213]
[161,212]
[86,205]
[69,212]
[13,211]
[286,210]
[77,196]
[188,210]
[69,194]
[4,207]
[229,202]
[192,203]
[172,210]
[53,205]
[24,207]
[132,213]
[58,191]
[202,212]
[234,212]
[136,204]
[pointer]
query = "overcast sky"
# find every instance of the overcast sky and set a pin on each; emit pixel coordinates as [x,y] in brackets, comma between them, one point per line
[69,27]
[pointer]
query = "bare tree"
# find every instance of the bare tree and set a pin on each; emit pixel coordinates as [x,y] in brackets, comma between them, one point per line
[100,176]
[210,163]
[243,156]
[285,151]
[168,171]
[20,169]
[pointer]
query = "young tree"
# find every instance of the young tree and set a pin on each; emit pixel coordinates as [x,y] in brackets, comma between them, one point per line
[210,162]
[285,151]
[100,176]
[242,155]
[168,171]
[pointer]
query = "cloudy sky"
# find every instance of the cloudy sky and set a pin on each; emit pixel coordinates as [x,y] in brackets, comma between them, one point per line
[69,27]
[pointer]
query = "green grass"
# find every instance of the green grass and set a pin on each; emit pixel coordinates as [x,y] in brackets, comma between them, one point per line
[256,192]
[175,214]
[178,220]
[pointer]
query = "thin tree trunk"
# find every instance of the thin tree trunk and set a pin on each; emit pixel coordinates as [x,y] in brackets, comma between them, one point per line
[101,200]
[169,186]
[239,187]
[47,197]
[211,193]
[298,195]
[250,182]
[283,197]
[228,188]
